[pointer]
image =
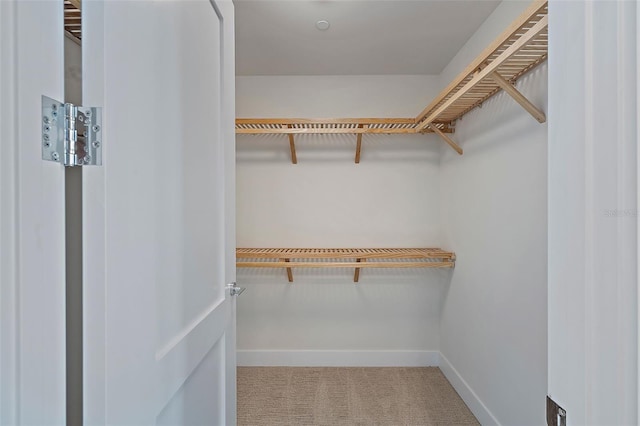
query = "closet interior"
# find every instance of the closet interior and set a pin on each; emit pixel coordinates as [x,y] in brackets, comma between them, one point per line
[518,50]
[73,20]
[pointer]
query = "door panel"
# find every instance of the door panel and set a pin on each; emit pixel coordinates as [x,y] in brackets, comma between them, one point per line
[159,323]
[196,399]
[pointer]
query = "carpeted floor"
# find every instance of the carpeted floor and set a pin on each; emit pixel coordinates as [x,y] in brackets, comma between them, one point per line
[298,396]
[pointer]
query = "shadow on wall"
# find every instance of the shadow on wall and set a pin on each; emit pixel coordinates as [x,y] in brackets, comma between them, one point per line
[331,148]
[405,292]
[323,309]
[344,276]
[500,110]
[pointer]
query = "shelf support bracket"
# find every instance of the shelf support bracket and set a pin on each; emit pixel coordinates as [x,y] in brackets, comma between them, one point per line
[292,147]
[289,271]
[358,144]
[446,138]
[518,97]
[356,274]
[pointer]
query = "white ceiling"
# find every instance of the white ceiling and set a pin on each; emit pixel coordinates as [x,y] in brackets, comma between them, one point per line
[276,37]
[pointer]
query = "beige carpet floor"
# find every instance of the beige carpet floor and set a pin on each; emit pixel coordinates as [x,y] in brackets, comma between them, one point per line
[299,396]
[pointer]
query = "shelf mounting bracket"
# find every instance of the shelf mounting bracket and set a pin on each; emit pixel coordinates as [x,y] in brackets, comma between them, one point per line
[446,138]
[358,144]
[292,147]
[289,271]
[518,97]
[356,274]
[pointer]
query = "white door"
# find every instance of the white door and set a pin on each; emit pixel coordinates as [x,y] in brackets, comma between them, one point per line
[159,220]
[32,246]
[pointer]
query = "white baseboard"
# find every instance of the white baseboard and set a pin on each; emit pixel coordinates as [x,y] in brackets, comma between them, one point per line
[269,358]
[467,394]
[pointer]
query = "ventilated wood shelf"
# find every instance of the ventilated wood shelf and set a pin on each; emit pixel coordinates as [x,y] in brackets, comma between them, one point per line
[289,258]
[293,126]
[355,126]
[519,49]
[73,20]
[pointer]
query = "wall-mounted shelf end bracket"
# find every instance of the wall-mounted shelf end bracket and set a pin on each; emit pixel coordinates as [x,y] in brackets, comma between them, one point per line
[446,138]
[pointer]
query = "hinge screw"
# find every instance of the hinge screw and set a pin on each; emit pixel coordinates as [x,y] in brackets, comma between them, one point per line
[54,113]
[96,144]
[46,120]
[96,128]
[88,113]
[55,156]
[80,118]
[47,128]
[45,137]
[87,159]
[47,144]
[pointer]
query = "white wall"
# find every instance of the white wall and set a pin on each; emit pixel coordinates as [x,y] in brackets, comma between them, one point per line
[390,199]
[494,215]
[492,27]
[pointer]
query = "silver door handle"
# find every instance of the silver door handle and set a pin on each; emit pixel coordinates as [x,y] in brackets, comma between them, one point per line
[234,290]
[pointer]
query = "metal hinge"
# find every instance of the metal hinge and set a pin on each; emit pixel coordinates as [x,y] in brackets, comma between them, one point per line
[71,133]
[556,415]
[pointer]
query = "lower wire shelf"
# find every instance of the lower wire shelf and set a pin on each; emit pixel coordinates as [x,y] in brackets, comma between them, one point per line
[289,258]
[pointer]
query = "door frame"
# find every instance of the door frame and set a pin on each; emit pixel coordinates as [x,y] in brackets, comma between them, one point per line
[226,9]
[8,220]
[593,303]
[32,271]
[638,206]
